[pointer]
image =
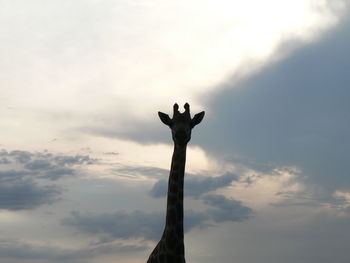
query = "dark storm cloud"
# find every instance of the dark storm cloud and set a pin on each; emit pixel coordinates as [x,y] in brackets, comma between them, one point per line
[22,186]
[195,186]
[149,225]
[293,112]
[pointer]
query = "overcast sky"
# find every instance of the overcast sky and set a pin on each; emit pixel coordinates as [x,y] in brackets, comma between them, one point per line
[84,159]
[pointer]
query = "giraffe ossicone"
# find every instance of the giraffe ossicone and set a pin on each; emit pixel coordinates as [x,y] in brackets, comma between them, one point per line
[171,248]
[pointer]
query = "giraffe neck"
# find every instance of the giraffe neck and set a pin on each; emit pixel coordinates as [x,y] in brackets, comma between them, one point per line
[173,232]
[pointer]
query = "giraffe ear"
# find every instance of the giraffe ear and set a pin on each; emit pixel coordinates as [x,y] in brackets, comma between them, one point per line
[165,118]
[197,119]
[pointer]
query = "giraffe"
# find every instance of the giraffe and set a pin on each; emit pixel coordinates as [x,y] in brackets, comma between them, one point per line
[171,248]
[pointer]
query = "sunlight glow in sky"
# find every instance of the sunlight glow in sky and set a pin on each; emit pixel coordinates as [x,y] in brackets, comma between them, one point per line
[84,158]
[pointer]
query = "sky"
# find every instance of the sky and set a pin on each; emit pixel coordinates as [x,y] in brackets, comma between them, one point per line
[84,158]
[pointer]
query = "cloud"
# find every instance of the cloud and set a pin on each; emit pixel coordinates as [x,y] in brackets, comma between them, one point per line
[18,155]
[22,173]
[226,209]
[18,192]
[291,113]
[294,234]
[337,200]
[152,131]
[25,194]
[122,224]
[18,249]
[149,225]
[44,164]
[136,171]
[111,153]
[195,186]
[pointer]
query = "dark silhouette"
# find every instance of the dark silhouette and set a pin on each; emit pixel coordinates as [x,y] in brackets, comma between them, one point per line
[170,248]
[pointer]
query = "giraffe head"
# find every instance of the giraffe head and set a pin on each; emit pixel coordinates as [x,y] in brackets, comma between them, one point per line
[181,124]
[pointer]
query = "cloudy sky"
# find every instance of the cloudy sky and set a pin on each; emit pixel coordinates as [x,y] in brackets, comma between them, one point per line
[84,159]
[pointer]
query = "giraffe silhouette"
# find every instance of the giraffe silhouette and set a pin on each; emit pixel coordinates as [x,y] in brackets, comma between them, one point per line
[171,248]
